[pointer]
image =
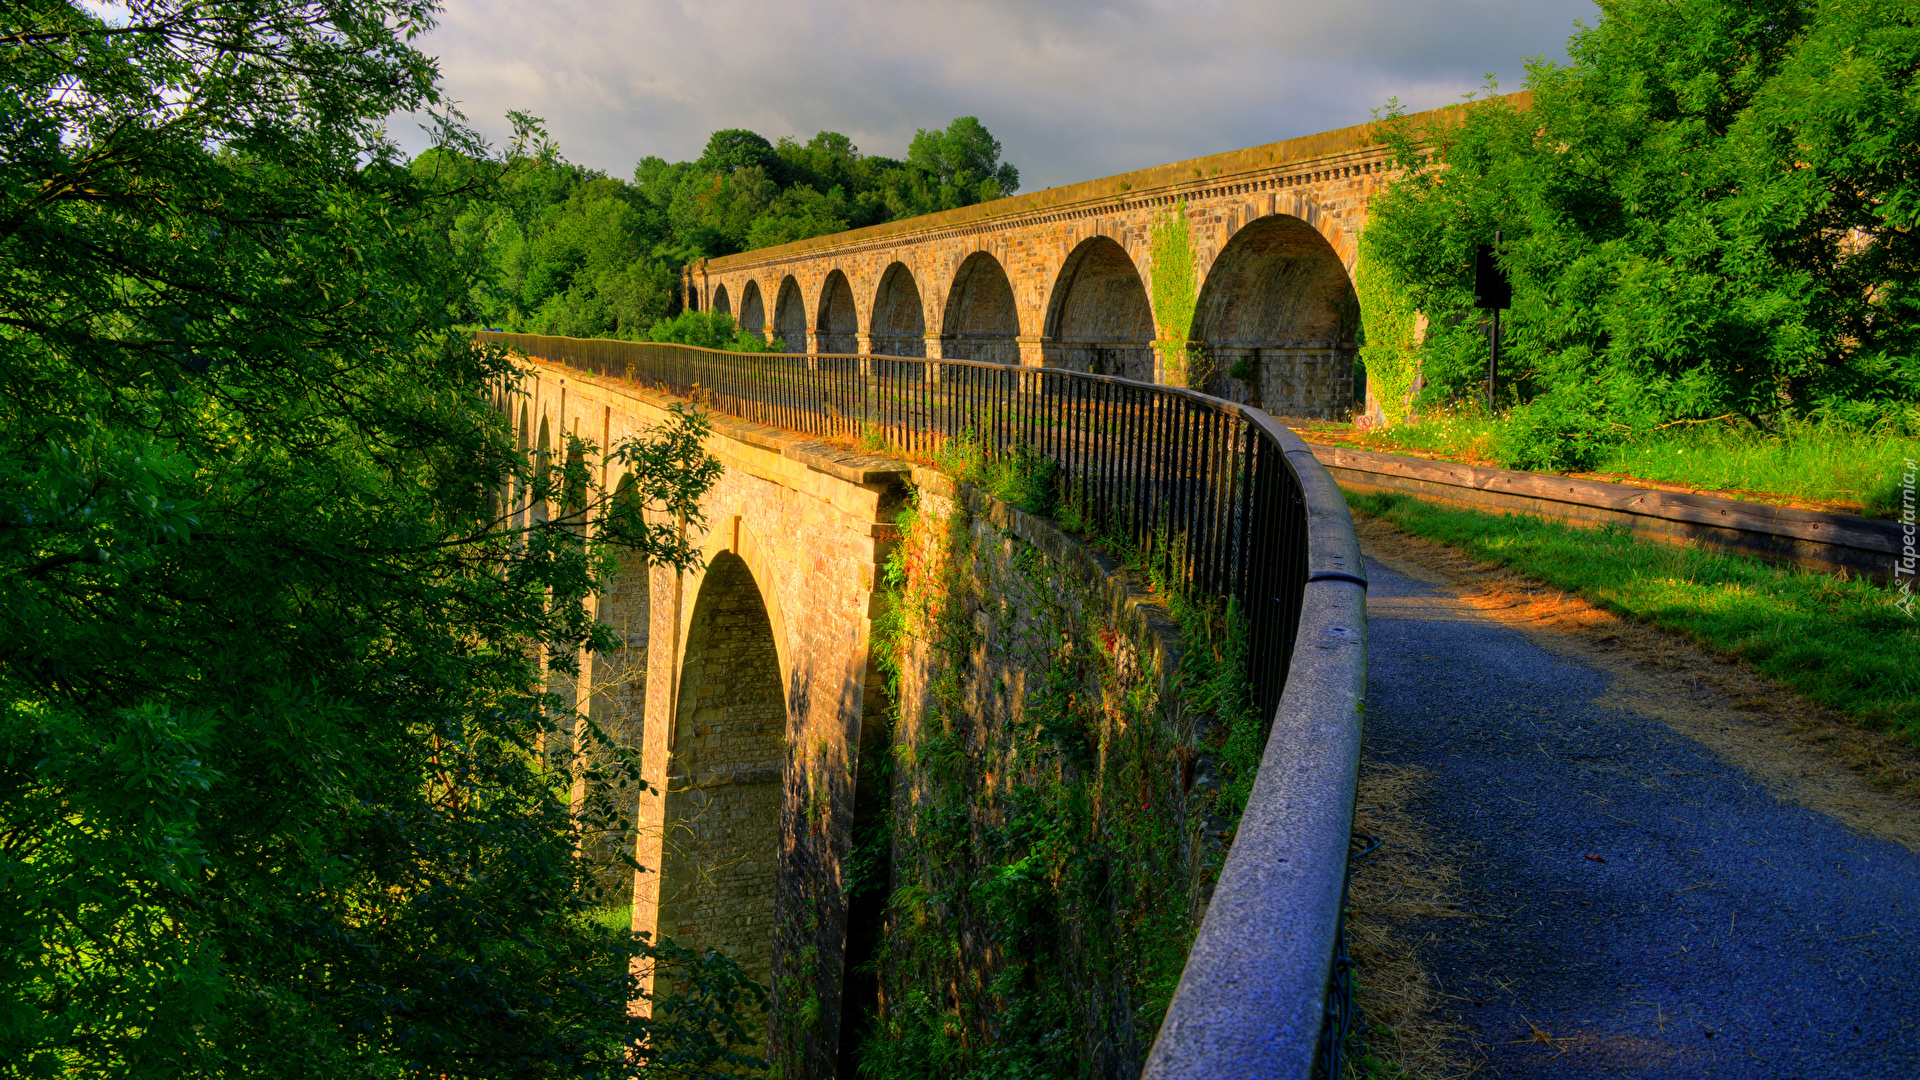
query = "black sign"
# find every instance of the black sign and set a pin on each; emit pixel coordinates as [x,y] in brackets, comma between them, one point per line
[1490,288]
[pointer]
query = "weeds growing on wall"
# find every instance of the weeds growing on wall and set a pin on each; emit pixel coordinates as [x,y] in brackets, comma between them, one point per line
[1019,477]
[1175,296]
[1057,821]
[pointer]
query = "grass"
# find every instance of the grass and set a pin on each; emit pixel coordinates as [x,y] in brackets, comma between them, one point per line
[1841,643]
[1827,462]
[615,920]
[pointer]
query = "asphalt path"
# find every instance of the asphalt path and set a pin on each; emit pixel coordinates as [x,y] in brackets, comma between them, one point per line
[1645,907]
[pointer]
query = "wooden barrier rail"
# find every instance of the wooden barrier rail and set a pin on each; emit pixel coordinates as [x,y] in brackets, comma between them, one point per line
[1831,543]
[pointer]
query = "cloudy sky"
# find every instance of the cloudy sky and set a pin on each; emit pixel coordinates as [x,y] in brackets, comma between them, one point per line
[1074,89]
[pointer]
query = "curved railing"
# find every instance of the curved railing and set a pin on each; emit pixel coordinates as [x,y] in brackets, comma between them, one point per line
[1228,503]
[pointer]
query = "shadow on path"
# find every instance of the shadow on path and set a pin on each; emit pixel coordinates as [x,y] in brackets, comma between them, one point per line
[1650,909]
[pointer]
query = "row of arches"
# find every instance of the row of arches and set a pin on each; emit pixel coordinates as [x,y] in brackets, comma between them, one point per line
[1277,288]
[718,833]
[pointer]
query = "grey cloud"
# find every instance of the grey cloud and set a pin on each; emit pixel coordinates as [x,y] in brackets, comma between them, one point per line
[1074,90]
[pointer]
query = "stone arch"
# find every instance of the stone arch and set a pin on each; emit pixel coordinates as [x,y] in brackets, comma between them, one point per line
[1099,318]
[727,754]
[617,704]
[721,302]
[982,321]
[837,330]
[899,325]
[1277,320]
[542,458]
[753,310]
[790,316]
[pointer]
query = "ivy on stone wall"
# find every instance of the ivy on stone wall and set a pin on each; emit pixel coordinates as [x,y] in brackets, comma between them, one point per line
[1057,821]
[1175,295]
[1388,350]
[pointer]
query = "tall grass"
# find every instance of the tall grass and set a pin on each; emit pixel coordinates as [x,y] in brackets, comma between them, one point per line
[1825,461]
[1822,460]
[1842,643]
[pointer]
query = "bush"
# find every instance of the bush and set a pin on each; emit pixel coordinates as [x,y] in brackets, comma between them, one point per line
[710,330]
[1553,434]
[1704,213]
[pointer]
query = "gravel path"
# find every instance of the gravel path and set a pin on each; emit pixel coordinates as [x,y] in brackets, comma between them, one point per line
[1647,906]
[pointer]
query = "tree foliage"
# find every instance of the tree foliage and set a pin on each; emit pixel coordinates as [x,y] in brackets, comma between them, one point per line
[1709,210]
[710,330]
[567,250]
[277,587]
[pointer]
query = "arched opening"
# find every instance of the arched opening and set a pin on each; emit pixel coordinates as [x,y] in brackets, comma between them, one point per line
[899,326]
[616,684]
[1099,318]
[720,850]
[837,331]
[753,312]
[981,322]
[721,302]
[867,888]
[542,458]
[790,316]
[1277,321]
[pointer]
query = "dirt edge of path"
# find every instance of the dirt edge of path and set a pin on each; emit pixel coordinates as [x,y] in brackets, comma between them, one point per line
[1804,754]
[1408,878]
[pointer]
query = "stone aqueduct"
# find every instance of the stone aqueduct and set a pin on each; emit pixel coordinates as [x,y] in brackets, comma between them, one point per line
[746,686]
[1064,277]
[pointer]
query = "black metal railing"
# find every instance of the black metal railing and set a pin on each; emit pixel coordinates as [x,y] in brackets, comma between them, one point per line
[1201,487]
[1227,503]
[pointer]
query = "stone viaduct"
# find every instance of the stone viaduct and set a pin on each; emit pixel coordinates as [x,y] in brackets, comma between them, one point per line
[746,687]
[1064,277]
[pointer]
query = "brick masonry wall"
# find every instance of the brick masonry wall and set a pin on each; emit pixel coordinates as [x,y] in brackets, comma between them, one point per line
[1022,307]
[792,543]
[720,851]
[1041,746]
[1039,242]
[749,690]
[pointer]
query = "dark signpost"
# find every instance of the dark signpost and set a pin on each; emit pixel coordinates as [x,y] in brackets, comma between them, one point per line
[1491,292]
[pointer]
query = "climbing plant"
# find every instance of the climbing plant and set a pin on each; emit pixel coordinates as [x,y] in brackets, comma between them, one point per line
[1387,347]
[1058,812]
[1175,294]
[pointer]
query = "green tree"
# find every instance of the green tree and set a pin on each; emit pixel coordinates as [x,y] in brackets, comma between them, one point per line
[561,249]
[1709,210]
[710,330]
[952,167]
[273,608]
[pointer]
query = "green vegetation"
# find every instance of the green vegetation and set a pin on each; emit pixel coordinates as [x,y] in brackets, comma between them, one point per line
[1388,353]
[710,330]
[1821,459]
[1708,212]
[1046,857]
[556,248]
[1843,644]
[275,617]
[1175,296]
